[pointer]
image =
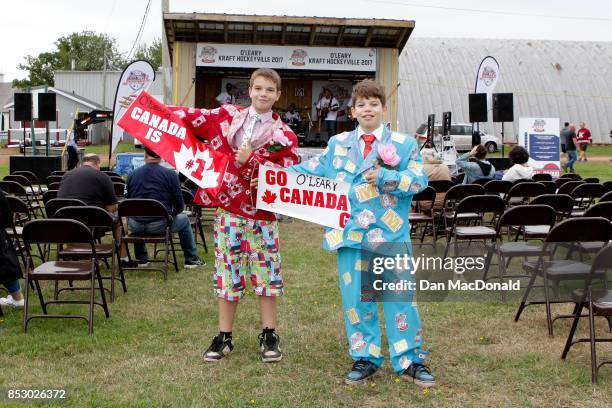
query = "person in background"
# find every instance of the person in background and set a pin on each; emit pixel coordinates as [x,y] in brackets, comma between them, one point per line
[571,149]
[563,136]
[435,170]
[521,168]
[73,152]
[584,139]
[474,165]
[10,271]
[158,183]
[327,109]
[292,116]
[227,96]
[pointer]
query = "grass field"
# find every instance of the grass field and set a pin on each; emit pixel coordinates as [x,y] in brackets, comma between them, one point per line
[148,353]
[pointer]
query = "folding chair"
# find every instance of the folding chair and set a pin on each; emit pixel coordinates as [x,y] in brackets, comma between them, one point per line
[522,192]
[54,179]
[599,303]
[542,177]
[53,186]
[16,189]
[144,207]
[568,187]
[601,209]
[561,180]
[520,217]
[441,186]
[563,205]
[424,203]
[100,219]
[116,179]
[111,173]
[607,185]
[452,198]
[606,197]
[61,231]
[571,176]
[591,180]
[119,190]
[572,230]
[482,181]
[498,187]
[24,181]
[49,195]
[584,195]
[523,180]
[55,204]
[551,186]
[474,204]
[58,173]
[21,215]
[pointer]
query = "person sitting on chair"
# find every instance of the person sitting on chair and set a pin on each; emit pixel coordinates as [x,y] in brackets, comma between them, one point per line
[475,166]
[10,272]
[156,182]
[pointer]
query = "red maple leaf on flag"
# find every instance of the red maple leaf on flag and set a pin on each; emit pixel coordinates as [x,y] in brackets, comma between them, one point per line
[269,197]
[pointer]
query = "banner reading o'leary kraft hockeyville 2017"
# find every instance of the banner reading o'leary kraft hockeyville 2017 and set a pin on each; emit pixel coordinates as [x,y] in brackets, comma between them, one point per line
[163,131]
[540,136]
[311,198]
[136,77]
[286,57]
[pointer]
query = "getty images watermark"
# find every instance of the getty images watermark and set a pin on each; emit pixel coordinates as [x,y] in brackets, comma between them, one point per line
[391,272]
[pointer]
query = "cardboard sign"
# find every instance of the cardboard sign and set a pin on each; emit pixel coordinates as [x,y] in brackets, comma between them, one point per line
[163,131]
[540,136]
[315,199]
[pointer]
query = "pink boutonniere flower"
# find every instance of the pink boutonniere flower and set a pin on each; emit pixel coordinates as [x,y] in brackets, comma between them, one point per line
[388,157]
[279,141]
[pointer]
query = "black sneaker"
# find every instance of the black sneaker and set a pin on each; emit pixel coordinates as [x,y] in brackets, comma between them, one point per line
[362,370]
[269,344]
[219,348]
[196,263]
[420,375]
[129,264]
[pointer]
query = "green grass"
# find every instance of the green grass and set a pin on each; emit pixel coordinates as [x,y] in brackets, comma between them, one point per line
[148,353]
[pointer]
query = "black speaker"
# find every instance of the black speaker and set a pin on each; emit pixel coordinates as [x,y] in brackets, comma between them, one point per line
[503,107]
[23,107]
[431,120]
[46,106]
[42,166]
[446,123]
[478,107]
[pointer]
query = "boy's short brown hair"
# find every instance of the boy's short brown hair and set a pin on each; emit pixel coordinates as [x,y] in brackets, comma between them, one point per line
[267,73]
[369,88]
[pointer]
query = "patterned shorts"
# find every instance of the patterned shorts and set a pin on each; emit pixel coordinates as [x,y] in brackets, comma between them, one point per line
[246,246]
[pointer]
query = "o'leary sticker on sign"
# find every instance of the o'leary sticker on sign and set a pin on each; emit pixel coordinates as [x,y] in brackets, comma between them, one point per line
[315,199]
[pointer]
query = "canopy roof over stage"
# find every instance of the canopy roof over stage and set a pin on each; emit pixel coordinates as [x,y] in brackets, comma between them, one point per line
[286,30]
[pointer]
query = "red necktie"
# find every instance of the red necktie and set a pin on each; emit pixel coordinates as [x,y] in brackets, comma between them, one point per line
[368,139]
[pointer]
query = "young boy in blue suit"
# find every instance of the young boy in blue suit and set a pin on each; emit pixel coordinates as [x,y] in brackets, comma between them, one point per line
[380,198]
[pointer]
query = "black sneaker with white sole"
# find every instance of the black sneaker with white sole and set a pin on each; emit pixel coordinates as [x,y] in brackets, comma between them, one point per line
[195,263]
[219,348]
[269,344]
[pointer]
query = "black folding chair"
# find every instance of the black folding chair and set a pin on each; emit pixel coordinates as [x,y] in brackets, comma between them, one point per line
[606,197]
[53,179]
[521,193]
[55,204]
[584,195]
[96,219]
[568,187]
[551,186]
[49,195]
[520,217]
[60,232]
[598,300]
[607,185]
[142,207]
[498,187]
[16,189]
[542,177]
[591,180]
[567,232]
[423,204]
[465,210]
[571,176]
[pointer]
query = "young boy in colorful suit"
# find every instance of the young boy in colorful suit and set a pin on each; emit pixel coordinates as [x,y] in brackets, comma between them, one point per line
[380,201]
[246,239]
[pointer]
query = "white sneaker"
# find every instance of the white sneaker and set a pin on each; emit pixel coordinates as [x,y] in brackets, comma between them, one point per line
[9,301]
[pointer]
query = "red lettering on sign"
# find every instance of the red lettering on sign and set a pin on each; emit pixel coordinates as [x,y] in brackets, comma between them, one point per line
[344,217]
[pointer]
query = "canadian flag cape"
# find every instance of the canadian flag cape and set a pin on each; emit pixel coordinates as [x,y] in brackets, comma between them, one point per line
[163,131]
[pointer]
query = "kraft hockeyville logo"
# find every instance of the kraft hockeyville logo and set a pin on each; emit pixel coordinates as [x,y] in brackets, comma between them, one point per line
[488,75]
[539,125]
[298,57]
[207,55]
[136,80]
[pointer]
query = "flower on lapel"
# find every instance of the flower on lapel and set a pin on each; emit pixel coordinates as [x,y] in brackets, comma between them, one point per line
[279,141]
[388,156]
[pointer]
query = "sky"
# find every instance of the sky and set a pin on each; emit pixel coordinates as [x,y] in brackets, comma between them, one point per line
[32,26]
